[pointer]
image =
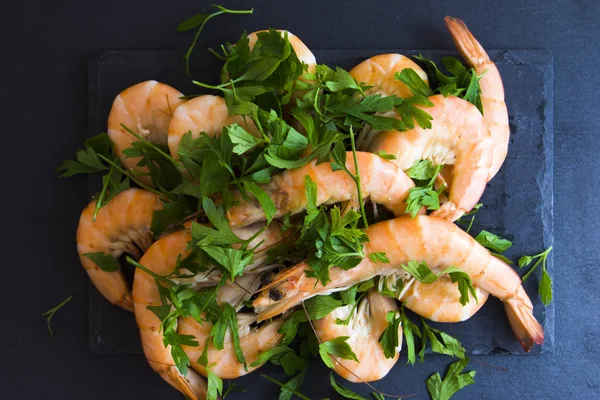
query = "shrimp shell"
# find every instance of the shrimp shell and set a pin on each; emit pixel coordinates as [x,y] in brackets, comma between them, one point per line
[146,108]
[440,244]
[121,226]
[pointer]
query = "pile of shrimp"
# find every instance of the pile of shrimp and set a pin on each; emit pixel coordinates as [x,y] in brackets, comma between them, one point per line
[472,144]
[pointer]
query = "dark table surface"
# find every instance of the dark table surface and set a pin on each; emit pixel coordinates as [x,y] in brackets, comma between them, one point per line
[43,77]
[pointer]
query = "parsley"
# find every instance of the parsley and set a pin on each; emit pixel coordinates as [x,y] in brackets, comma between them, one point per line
[423,194]
[214,383]
[545,287]
[50,313]
[494,243]
[389,338]
[445,344]
[344,392]
[462,82]
[87,160]
[423,274]
[452,383]
[106,262]
[290,388]
[410,330]
[337,347]
[198,21]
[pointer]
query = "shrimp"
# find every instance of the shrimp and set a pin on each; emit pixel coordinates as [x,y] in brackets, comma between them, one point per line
[378,71]
[364,329]
[145,108]
[161,258]
[458,136]
[302,52]
[495,114]
[206,113]
[380,180]
[440,244]
[121,226]
[440,301]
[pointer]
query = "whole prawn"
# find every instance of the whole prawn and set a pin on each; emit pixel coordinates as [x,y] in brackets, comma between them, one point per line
[440,244]
[363,330]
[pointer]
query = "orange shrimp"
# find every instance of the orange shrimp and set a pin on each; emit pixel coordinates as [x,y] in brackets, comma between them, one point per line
[440,244]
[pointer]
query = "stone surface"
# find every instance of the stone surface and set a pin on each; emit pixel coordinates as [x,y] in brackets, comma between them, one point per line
[517,202]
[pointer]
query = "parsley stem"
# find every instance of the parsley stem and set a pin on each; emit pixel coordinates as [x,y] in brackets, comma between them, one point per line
[50,313]
[541,258]
[162,153]
[146,270]
[207,86]
[284,386]
[222,10]
[133,178]
[357,179]
[100,200]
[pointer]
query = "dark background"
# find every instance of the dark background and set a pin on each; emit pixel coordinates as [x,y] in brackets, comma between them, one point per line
[43,79]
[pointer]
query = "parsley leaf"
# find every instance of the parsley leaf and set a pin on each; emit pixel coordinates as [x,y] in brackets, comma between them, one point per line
[452,383]
[493,242]
[290,387]
[423,194]
[410,78]
[106,262]
[214,383]
[545,287]
[389,338]
[86,159]
[337,347]
[344,392]
[448,345]
[410,330]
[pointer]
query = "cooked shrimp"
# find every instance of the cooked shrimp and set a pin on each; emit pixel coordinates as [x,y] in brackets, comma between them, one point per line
[161,258]
[380,180]
[495,113]
[437,242]
[206,114]
[440,301]
[224,363]
[121,226]
[458,136]
[145,108]
[302,52]
[364,329]
[378,71]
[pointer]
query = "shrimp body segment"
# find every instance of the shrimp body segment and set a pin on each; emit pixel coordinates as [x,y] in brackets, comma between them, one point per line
[364,329]
[440,244]
[121,226]
[458,136]
[161,258]
[206,113]
[146,109]
[495,113]
[378,71]
[440,301]
[382,181]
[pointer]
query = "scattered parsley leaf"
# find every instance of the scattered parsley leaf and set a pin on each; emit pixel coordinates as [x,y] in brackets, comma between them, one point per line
[448,345]
[344,392]
[493,242]
[410,78]
[410,330]
[452,383]
[545,287]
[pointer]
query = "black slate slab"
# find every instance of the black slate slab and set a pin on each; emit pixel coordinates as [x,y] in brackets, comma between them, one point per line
[517,203]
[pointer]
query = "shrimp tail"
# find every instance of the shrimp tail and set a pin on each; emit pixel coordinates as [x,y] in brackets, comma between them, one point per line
[465,42]
[193,385]
[524,325]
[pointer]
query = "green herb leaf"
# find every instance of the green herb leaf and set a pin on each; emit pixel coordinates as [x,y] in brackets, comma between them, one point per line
[410,330]
[420,271]
[344,392]
[452,383]
[465,285]
[106,262]
[263,198]
[448,345]
[545,288]
[319,306]
[390,338]
[337,347]
[493,242]
[410,78]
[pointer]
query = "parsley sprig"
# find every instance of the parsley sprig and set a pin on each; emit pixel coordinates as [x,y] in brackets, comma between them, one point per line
[545,287]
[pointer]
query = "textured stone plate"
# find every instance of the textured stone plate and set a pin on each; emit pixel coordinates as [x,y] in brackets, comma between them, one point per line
[517,203]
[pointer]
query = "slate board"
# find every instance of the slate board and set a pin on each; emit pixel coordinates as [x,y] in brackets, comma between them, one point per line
[517,202]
